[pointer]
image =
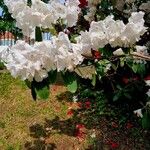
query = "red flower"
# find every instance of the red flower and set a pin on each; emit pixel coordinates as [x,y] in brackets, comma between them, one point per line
[87,104]
[129,125]
[147,77]
[114,145]
[125,80]
[96,54]
[83,3]
[80,126]
[70,112]
[80,131]
[80,135]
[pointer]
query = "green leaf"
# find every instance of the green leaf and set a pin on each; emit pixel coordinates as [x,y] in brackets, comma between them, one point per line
[115,67]
[72,39]
[33,93]
[53,31]
[52,75]
[38,34]
[141,69]
[40,89]
[107,52]
[119,87]
[29,3]
[129,62]
[72,87]
[28,83]
[135,68]
[116,96]
[127,95]
[42,92]
[146,121]
[93,79]
[70,81]
[122,60]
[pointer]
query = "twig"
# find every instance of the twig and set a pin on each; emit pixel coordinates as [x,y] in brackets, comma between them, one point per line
[137,55]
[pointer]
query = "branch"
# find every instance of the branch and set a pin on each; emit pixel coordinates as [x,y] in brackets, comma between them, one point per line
[137,55]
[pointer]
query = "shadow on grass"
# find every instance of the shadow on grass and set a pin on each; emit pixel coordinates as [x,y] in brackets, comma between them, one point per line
[65,96]
[125,137]
[40,133]
[39,145]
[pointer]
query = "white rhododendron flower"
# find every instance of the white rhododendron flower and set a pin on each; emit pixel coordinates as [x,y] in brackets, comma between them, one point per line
[68,54]
[28,62]
[35,61]
[92,9]
[112,32]
[141,49]
[138,112]
[42,14]
[147,82]
[72,12]
[93,2]
[97,34]
[148,93]
[4,51]
[90,15]
[85,41]
[118,52]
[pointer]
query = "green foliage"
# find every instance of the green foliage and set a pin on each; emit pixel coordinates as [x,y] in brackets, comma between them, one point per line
[28,83]
[101,67]
[107,52]
[40,89]
[42,92]
[2,66]
[38,34]
[122,92]
[7,23]
[52,76]
[93,79]
[146,120]
[70,81]
[97,99]
[139,68]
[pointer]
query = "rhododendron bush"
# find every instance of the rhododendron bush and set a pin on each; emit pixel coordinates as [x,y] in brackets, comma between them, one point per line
[98,45]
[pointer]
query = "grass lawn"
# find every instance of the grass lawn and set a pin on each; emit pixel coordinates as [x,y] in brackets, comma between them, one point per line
[23,121]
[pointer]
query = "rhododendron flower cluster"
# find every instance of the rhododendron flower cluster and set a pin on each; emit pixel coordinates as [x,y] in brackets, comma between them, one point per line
[35,61]
[115,33]
[42,14]
[92,9]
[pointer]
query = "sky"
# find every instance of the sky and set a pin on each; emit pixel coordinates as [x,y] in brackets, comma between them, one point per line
[62,1]
[0,11]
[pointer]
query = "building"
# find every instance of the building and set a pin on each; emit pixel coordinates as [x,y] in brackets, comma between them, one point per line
[7,39]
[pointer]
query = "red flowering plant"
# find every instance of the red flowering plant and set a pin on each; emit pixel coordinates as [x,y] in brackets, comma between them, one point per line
[83,3]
